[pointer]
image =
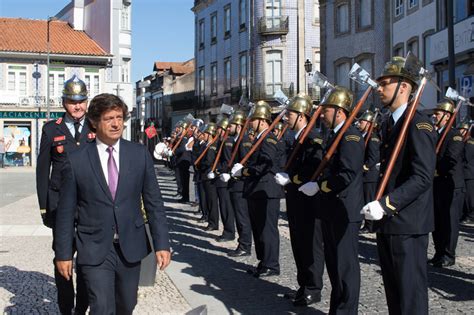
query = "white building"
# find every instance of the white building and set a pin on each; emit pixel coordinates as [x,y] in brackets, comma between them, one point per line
[254,48]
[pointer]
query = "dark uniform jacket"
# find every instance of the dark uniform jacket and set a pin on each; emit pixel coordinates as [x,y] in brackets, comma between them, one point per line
[469,159]
[261,168]
[341,191]
[197,150]
[372,157]
[449,161]
[56,143]
[181,154]
[237,184]
[223,159]
[207,161]
[408,197]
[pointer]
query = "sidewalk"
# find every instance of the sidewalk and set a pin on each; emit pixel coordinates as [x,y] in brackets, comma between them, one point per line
[200,272]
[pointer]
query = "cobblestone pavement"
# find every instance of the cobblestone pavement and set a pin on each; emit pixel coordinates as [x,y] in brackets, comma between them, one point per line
[200,273]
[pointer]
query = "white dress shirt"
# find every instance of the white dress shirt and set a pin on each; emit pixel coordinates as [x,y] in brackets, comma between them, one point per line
[398,113]
[104,156]
[70,125]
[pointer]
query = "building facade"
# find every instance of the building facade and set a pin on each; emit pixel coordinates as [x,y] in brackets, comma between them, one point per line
[23,79]
[252,48]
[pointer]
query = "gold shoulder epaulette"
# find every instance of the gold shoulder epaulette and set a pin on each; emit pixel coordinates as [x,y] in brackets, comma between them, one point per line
[424,126]
[317,140]
[457,138]
[247,144]
[375,139]
[352,138]
[470,141]
[272,141]
[213,148]
[229,144]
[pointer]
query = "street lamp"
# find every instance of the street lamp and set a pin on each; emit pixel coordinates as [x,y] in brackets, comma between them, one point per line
[48,112]
[37,75]
[308,67]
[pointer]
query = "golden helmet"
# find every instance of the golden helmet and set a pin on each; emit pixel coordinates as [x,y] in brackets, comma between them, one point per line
[238,118]
[301,103]
[279,126]
[464,125]
[251,132]
[445,105]
[262,111]
[75,89]
[185,124]
[339,97]
[368,116]
[401,67]
[210,129]
[223,123]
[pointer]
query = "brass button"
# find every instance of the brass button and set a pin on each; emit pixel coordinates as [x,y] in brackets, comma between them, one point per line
[381,175]
[386,146]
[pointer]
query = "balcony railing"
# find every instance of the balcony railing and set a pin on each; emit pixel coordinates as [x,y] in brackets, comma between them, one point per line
[30,101]
[277,25]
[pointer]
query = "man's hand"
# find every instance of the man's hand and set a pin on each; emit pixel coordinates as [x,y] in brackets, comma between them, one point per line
[309,189]
[373,211]
[65,268]
[163,258]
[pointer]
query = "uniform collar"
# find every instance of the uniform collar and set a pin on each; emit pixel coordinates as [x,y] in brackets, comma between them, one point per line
[398,113]
[338,127]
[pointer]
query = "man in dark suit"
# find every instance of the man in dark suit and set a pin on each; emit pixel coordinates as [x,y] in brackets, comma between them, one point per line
[263,194]
[183,162]
[341,197]
[448,188]
[404,214]
[103,188]
[468,212]
[59,138]
[305,227]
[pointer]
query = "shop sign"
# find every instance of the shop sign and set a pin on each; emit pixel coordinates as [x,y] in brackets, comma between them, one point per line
[463,40]
[29,115]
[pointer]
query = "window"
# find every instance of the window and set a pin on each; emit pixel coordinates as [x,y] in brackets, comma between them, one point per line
[462,9]
[365,64]
[412,45]
[201,81]
[22,80]
[412,4]
[342,74]
[214,78]
[365,13]
[273,13]
[125,22]
[92,84]
[227,21]
[426,47]
[398,50]
[214,28]
[342,18]
[317,61]
[17,80]
[201,34]
[227,74]
[60,80]
[56,81]
[243,70]
[125,71]
[398,7]
[242,13]
[273,71]
[316,11]
[11,81]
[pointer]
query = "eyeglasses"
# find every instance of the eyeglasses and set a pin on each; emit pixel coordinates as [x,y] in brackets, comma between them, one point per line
[387,82]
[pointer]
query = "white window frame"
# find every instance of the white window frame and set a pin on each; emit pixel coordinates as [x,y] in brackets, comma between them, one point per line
[227,20]
[227,74]
[55,86]
[398,9]
[412,4]
[125,71]
[17,71]
[202,82]
[92,81]
[243,70]
[316,14]
[214,79]
[272,85]
[125,17]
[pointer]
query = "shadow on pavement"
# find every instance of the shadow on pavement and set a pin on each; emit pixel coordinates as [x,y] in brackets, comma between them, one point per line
[33,292]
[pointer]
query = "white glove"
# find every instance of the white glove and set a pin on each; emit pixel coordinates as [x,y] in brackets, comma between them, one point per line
[309,189]
[282,179]
[373,211]
[211,175]
[170,153]
[225,177]
[377,166]
[237,170]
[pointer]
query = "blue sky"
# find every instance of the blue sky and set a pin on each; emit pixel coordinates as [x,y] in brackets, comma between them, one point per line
[162,29]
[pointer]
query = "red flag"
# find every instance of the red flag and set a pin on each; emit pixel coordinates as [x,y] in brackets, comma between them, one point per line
[151,132]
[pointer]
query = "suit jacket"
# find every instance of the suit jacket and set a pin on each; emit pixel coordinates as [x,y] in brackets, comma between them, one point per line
[85,191]
[341,189]
[449,161]
[56,143]
[408,197]
[183,156]
[372,157]
[262,166]
[469,159]
[237,184]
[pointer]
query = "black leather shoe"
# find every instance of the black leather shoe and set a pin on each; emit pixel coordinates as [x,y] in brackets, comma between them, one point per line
[222,239]
[183,200]
[306,300]
[266,272]
[436,258]
[444,262]
[294,295]
[238,253]
[210,228]
[202,220]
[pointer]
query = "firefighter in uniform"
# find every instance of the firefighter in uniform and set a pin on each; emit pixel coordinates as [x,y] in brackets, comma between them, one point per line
[198,147]
[263,194]
[278,129]
[448,188]
[58,139]
[183,162]
[468,211]
[225,205]
[371,159]
[341,197]
[405,211]
[194,145]
[236,187]
[305,228]
[210,188]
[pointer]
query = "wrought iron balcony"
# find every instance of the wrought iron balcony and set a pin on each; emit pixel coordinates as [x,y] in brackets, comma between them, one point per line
[30,101]
[276,25]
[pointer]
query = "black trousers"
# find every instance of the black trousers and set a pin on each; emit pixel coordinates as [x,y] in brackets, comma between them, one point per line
[242,219]
[65,289]
[226,211]
[179,182]
[306,241]
[469,200]
[264,221]
[183,175]
[211,197]
[342,263]
[447,212]
[404,271]
[202,199]
[112,285]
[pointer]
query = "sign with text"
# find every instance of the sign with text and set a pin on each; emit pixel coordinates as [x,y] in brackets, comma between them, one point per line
[29,115]
[463,40]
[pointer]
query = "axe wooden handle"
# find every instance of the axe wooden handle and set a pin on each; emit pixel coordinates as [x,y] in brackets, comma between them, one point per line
[185,132]
[219,153]
[237,144]
[205,151]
